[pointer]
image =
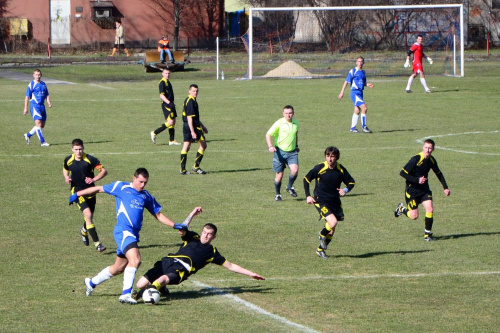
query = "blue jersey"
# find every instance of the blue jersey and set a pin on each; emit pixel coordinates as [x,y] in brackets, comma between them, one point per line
[130,205]
[357,79]
[37,92]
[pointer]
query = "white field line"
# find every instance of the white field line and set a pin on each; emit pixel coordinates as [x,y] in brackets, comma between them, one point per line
[360,277]
[102,87]
[257,309]
[421,141]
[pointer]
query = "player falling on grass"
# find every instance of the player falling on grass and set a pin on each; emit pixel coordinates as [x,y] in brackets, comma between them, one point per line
[195,253]
[168,108]
[78,170]
[357,79]
[193,130]
[416,173]
[418,53]
[131,200]
[36,93]
[328,176]
[285,149]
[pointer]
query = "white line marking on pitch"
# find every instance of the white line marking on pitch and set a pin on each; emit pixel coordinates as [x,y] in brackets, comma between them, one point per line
[102,87]
[375,276]
[421,141]
[257,309]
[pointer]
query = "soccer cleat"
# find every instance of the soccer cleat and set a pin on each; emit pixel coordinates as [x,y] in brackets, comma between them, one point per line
[278,197]
[85,237]
[174,143]
[90,289]
[153,136]
[127,298]
[408,91]
[184,172]
[354,130]
[199,171]
[137,294]
[322,254]
[292,192]
[100,248]
[398,211]
[164,291]
[367,130]
[322,242]
[428,91]
[45,144]
[26,138]
[428,237]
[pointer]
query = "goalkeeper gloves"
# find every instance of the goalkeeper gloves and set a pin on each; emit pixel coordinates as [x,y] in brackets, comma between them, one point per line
[73,198]
[180,226]
[429,59]
[407,63]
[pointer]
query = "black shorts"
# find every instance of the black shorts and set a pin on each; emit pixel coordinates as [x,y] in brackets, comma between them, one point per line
[200,136]
[326,209]
[86,202]
[169,111]
[414,198]
[167,266]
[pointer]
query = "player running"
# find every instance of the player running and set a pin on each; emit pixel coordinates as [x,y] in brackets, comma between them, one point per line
[36,93]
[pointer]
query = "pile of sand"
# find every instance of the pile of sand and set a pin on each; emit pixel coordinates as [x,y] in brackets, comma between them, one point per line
[289,69]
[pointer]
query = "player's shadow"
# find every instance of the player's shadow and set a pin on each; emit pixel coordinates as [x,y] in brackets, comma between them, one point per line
[220,140]
[151,246]
[446,237]
[207,292]
[374,254]
[239,170]
[399,130]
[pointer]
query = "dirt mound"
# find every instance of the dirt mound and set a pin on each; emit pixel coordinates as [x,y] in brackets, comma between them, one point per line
[289,69]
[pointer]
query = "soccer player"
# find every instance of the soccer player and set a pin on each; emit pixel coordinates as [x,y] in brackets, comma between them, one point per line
[418,52]
[164,48]
[195,253]
[193,130]
[357,79]
[36,93]
[328,176]
[168,108]
[131,200]
[416,173]
[78,170]
[285,149]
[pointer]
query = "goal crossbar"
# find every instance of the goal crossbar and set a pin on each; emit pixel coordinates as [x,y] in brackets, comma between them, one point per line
[268,9]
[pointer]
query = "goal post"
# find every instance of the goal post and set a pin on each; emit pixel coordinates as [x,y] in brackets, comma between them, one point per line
[285,40]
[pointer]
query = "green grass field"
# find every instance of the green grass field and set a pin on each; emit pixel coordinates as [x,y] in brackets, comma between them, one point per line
[381,276]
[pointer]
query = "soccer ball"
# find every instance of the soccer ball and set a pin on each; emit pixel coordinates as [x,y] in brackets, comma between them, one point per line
[151,296]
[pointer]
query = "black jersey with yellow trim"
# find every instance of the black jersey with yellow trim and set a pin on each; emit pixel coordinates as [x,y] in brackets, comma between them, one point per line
[166,89]
[190,109]
[419,166]
[328,181]
[196,254]
[79,170]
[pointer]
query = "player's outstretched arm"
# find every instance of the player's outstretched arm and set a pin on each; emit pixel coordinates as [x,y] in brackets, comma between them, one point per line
[189,218]
[240,270]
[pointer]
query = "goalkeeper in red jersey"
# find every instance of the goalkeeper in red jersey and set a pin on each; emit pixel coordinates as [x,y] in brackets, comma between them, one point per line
[418,53]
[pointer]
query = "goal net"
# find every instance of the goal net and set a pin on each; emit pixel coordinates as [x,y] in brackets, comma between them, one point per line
[319,42]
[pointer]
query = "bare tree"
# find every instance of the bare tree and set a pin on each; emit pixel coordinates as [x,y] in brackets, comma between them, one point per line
[3,23]
[170,8]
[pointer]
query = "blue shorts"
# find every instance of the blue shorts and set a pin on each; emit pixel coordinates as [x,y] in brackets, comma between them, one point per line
[282,158]
[38,112]
[123,238]
[357,97]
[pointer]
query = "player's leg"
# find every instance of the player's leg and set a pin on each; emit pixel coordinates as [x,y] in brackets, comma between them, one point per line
[39,124]
[106,274]
[422,81]
[429,219]
[278,168]
[202,146]
[364,109]
[171,127]
[88,215]
[185,148]
[354,119]
[325,234]
[293,164]
[410,81]
[134,261]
